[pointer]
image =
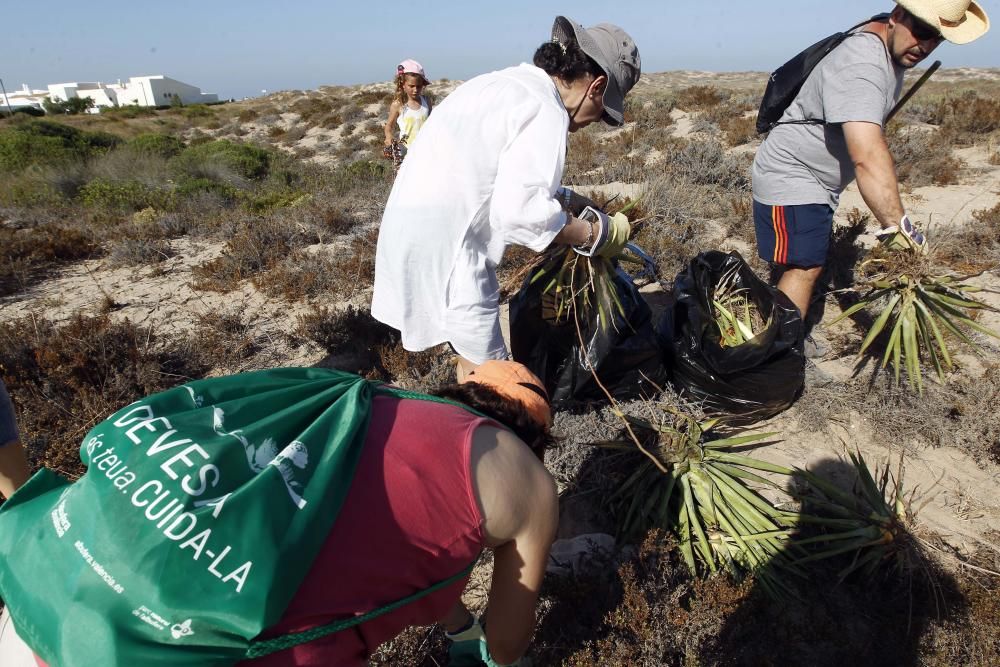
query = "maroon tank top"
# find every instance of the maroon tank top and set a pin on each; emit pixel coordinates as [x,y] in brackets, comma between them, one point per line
[410,520]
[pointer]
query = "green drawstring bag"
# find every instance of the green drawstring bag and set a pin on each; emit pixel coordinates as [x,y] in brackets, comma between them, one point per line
[202,510]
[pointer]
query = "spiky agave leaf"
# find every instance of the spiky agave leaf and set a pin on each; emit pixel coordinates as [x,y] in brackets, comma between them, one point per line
[578,286]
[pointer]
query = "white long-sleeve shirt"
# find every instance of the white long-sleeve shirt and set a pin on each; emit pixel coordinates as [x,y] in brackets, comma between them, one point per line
[481,175]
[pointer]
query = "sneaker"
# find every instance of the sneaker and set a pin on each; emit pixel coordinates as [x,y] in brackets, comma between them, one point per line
[816,348]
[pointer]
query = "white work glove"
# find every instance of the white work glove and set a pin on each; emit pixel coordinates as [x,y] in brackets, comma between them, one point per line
[906,228]
[610,236]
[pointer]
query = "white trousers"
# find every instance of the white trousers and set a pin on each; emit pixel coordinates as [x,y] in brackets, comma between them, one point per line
[13,651]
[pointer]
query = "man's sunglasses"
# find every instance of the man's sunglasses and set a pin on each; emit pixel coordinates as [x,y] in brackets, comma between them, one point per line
[922,31]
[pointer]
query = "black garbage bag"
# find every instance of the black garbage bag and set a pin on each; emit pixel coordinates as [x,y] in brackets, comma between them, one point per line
[627,356]
[748,382]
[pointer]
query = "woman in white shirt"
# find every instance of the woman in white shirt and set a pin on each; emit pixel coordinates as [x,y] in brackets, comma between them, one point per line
[484,175]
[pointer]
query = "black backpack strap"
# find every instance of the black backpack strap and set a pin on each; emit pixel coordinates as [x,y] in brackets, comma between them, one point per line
[268,646]
[845,34]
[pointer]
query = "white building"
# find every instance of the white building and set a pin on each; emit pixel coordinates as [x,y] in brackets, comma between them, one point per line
[154,91]
[25,97]
[144,91]
[102,95]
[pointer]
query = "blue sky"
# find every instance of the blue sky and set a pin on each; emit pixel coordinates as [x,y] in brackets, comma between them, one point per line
[237,49]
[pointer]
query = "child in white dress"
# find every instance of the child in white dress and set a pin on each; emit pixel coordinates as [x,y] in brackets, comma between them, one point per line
[408,111]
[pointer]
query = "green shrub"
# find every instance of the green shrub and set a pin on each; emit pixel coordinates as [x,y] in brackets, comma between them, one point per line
[123,196]
[270,201]
[191,187]
[358,174]
[371,97]
[128,111]
[24,111]
[197,111]
[203,160]
[27,189]
[44,142]
[163,145]
[74,105]
[311,108]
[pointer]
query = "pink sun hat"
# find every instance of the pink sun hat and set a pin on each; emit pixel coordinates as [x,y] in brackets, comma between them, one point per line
[409,66]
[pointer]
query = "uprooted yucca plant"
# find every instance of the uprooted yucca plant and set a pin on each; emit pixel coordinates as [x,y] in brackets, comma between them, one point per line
[873,523]
[700,489]
[920,307]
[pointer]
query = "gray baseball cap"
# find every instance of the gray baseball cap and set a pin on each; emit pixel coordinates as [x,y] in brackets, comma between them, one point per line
[616,53]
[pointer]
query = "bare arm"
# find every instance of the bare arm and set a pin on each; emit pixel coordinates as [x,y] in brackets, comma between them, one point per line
[390,124]
[876,172]
[14,469]
[520,510]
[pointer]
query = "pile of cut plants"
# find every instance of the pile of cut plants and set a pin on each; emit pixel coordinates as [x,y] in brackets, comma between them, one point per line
[735,313]
[735,513]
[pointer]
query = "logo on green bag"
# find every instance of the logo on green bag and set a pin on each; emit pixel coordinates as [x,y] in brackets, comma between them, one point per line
[295,455]
[178,630]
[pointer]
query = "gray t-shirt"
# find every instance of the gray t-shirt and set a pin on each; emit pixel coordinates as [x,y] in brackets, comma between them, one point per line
[809,163]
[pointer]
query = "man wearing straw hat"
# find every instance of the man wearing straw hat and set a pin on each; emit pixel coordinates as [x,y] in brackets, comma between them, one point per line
[832,133]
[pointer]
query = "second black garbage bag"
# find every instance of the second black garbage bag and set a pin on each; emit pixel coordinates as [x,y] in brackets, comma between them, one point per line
[746,382]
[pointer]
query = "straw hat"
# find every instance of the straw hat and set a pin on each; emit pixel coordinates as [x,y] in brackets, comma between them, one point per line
[959,21]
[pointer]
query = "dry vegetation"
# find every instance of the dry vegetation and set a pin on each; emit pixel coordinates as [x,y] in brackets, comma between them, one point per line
[289,190]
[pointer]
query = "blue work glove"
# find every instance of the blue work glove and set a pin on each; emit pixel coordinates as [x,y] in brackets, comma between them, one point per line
[468,649]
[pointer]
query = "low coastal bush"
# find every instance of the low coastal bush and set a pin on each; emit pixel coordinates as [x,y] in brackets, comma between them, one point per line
[128,196]
[162,145]
[37,142]
[923,156]
[29,253]
[209,158]
[66,378]
[694,98]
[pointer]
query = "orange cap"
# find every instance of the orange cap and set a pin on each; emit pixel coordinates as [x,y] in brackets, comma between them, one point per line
[514,381]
